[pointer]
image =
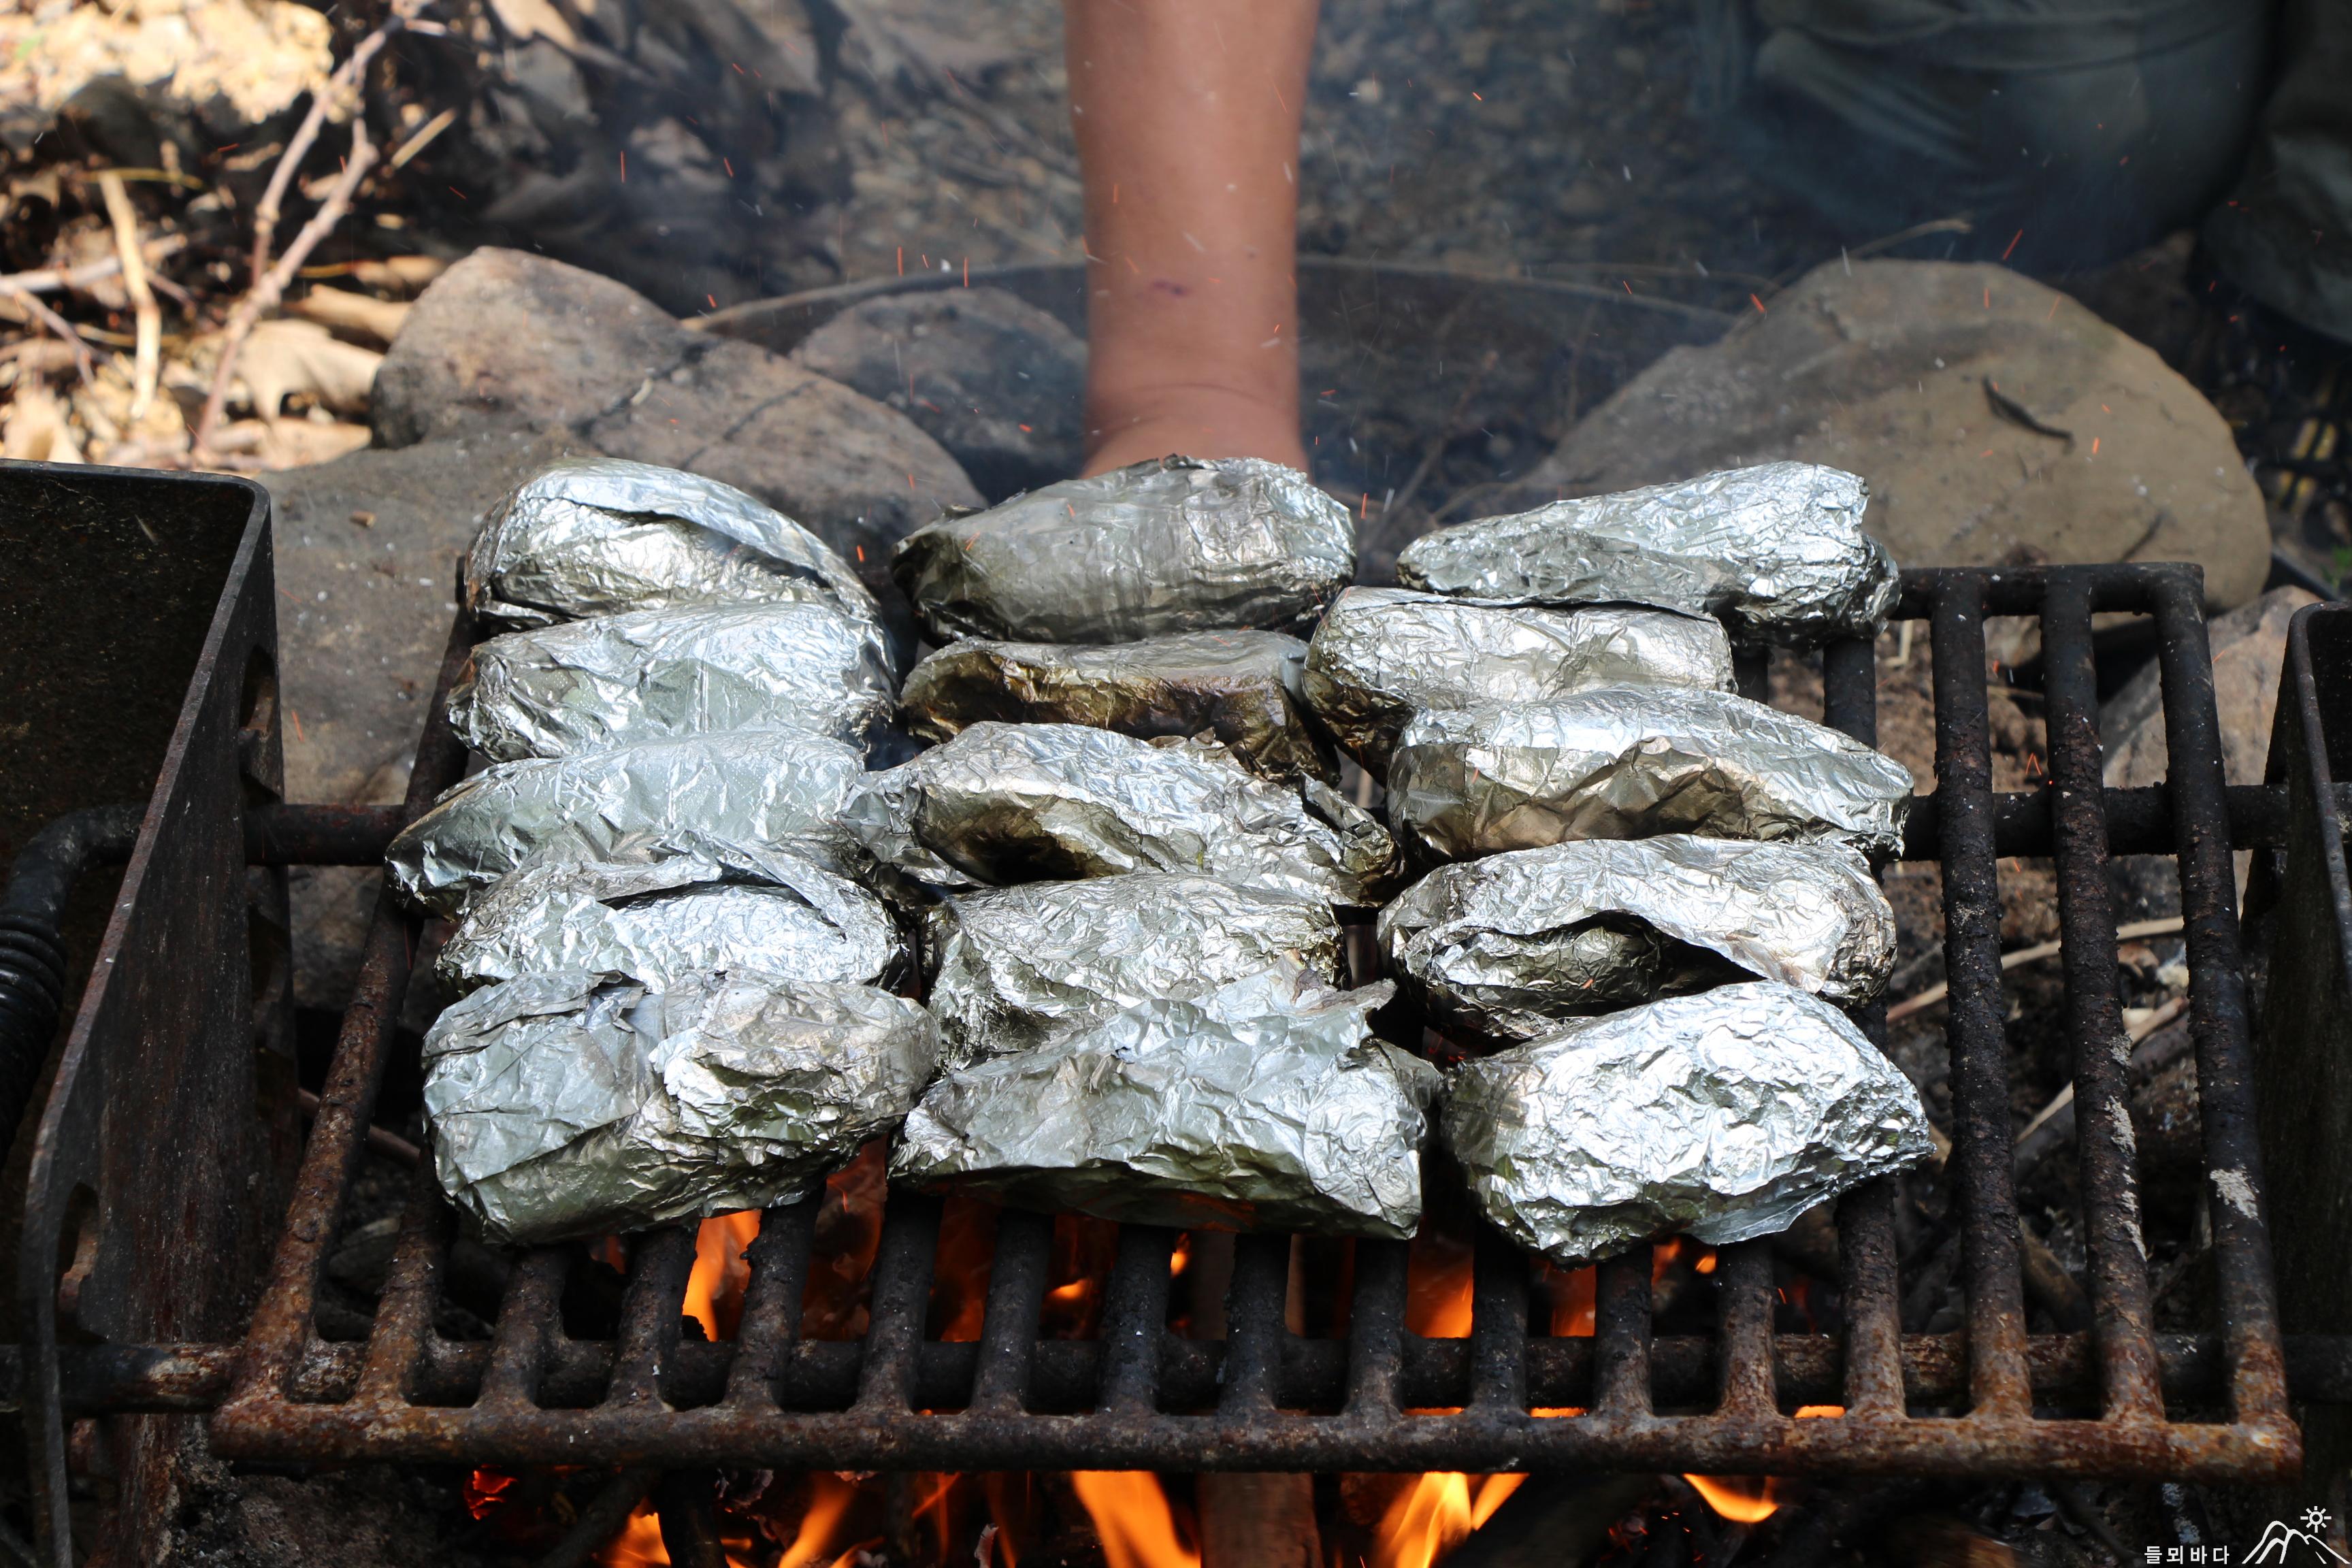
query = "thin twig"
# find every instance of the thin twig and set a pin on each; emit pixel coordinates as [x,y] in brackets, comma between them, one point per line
[272,288]
[55,323]
[148,364]
[2023,955]
[54,279]
[322,103]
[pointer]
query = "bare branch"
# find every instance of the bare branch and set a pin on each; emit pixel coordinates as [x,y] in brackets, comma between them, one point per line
[149,362]
[271,287]
[322,103]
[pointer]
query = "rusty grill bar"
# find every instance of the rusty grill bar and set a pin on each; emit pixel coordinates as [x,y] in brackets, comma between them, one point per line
[2120,1400]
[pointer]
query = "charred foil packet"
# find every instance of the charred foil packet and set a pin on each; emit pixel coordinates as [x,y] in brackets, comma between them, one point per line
[571,1104]
[1634,761]
[1510,945]
[597,536]
[1175,545]
[654,675]
[1264,1105]
[1237,688]
[1723,1115]
[1381,654]
[730,797]
[1002,804]
[1777,549]
[665,921]
[1012,967]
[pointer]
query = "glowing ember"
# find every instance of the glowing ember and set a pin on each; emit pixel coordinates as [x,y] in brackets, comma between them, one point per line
[484,1490]
[1804,1411]
[1742,1499]
[1132,1516]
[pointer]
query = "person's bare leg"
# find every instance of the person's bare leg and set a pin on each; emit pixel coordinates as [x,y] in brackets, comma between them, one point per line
[1187,121]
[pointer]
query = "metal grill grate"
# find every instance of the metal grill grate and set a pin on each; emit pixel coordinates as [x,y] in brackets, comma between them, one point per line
[2118,1400]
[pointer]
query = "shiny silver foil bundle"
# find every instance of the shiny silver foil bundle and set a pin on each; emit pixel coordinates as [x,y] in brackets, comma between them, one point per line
[1509,946]
[596,536]
[1777,549]
[1625,762]
[730,797]
[1382,655]
[571,1104]
[1237,688]
[1723,1115]
[670,918]
[1028,802]
[1012,967]
[1263,1105]
[1173,545]
[652,675]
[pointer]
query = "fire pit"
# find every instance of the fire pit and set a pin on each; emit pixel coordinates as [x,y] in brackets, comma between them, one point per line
[969,1360]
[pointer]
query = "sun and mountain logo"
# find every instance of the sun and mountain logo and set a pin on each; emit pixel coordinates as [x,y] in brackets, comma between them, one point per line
[2284,1544]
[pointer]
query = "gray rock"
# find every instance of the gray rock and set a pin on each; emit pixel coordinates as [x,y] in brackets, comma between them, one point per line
[506,340]
[363,618]
[997,381]
[1988,414]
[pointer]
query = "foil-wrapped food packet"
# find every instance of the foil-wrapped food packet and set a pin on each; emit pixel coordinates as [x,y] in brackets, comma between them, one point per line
[596,536]
[1723,1116]
[1382,655]
[1777,549]
[667,919]
[730,797]
[1634,761]
[574,1104]
[1024,803]
[1508,946]
[1237,688]
[654,675]
[1010,968]
[1265,1104]
[1175,545]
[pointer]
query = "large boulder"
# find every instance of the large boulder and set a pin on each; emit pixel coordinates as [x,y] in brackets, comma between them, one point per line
[509,342]
[996,380]
[1988,414]
[367,552]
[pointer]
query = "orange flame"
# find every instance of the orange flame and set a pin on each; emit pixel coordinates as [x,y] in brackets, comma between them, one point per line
[639,1544]
[1132,1514]
[714,1291]
[817,1539]
[1742,1499]
[1437,1515]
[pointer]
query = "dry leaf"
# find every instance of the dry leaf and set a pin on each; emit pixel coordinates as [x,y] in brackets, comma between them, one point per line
[285,357]
[36,430]
[362,313]
[526,19]
[407,273]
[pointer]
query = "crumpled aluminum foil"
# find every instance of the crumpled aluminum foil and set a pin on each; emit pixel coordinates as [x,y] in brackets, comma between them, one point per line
[1264,1105]
[1055,802]
[1633,762]
[1724,1115]
[1510,945]
[1012,967]
[1382,655]
[730,797]
[572,1104]
[595,536]
[1238,688]
[1028,802]
[1175,545]
[1777,549]
[651,675]
[665,921]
